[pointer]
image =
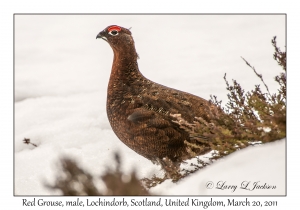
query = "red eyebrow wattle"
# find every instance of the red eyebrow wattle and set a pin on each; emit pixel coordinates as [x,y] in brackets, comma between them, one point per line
[117,28]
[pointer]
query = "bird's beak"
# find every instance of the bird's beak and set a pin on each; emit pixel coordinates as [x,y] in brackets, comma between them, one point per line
[101,36]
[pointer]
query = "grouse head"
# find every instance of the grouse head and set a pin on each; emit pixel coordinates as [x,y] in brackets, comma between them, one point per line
[118,38]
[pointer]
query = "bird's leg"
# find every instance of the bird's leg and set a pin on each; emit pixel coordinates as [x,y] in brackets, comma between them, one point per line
[172,170]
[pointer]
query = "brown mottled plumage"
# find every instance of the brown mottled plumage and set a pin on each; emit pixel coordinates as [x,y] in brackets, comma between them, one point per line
[140,111]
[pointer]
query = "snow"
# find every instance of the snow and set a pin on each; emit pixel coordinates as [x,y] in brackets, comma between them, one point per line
[236,174]
[61,75]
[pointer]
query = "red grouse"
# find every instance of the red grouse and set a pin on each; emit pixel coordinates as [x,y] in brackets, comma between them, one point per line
[141,112]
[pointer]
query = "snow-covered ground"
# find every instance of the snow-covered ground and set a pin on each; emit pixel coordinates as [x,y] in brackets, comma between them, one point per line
[61,76]
[257,170]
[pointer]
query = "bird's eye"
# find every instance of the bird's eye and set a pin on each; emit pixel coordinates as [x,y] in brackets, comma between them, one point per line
[113,32]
